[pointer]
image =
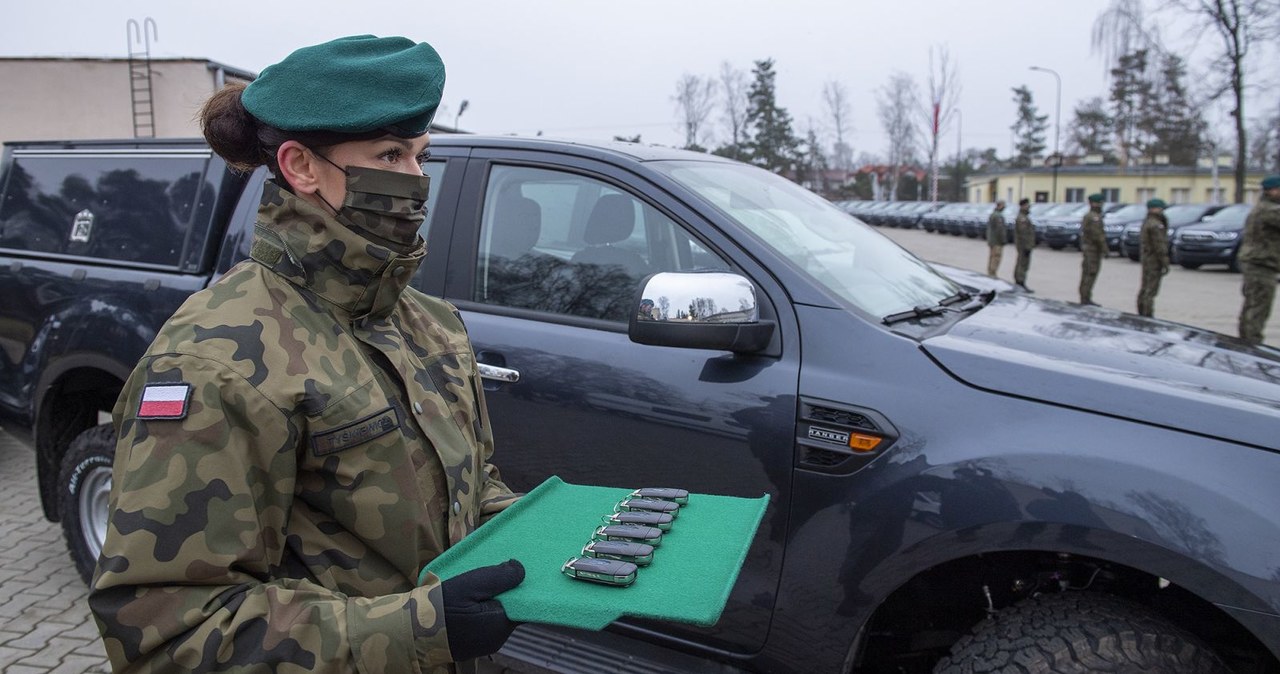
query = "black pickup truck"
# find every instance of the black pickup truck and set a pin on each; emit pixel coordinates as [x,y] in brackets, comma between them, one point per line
[959,480]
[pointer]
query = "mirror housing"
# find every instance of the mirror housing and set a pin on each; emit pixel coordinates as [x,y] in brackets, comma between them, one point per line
[699,310]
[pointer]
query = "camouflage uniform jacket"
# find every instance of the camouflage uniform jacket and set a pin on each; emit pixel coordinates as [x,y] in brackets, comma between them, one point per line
[1093,238]
[1261,245]
[1024,233]
[334,440]
[997,234]
[1154,242]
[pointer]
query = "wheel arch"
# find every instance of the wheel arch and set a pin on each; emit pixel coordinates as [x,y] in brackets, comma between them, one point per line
[968,583]
[70,394]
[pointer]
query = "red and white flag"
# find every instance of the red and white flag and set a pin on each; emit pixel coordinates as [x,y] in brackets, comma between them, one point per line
[164,401]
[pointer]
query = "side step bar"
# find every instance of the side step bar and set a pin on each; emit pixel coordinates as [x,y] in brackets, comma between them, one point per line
[537,649]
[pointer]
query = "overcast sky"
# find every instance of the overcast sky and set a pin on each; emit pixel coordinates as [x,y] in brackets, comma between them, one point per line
[595,69]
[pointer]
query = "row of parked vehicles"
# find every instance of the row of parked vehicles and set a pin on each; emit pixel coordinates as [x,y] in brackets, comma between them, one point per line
[1199,234]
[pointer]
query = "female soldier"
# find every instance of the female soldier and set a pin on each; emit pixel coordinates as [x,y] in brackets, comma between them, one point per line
[305,434]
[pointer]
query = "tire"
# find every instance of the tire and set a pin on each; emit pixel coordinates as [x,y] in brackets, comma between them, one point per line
[84,488]
[1079,632]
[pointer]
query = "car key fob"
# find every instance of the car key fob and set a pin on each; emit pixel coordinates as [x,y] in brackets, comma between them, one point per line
[630,533]
[603,571]
[639,554]
[648,505]
[679,496]
[641,517]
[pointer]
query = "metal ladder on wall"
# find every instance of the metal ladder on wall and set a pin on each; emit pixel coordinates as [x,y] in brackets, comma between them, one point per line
[140,36]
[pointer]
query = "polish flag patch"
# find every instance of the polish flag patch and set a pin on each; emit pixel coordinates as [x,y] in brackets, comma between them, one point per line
[164,401]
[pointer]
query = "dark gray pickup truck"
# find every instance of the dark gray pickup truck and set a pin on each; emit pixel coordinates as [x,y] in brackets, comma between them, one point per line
[959,480]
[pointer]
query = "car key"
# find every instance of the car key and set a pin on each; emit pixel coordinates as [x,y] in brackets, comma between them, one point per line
[641,517]
[631,533]
[603,571]
[648,504]
[639,554]
[680,496]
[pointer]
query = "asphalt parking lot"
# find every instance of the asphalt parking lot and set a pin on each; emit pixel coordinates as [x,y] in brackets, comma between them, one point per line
[45,625]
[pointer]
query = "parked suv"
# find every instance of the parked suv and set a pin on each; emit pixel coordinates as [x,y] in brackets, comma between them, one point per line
[952,474]
[1179,216]
[1213,240]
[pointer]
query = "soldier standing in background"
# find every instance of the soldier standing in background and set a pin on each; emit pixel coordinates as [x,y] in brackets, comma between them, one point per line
[1260,261]
[1093,244]
[997,235]
[1024,239]
[306,433]
[1154,247]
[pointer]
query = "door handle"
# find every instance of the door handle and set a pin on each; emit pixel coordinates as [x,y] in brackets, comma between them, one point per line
[498,373]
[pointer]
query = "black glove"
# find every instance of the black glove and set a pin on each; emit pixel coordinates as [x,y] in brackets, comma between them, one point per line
[476,622]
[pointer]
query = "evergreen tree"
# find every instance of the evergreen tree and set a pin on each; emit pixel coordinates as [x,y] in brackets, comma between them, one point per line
[1090,131]
[1178,126]
[1132,107]
[771,143]
[1029,129]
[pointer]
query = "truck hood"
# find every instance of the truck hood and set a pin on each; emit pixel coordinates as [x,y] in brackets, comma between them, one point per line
[1118,364]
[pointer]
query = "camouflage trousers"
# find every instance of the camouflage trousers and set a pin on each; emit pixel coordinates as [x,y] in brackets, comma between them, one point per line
[993,260]
[1021,267]
[1088,275]
[1151,276]
[1259,290]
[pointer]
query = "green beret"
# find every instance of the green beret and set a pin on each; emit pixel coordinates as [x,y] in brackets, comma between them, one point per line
[351,85]
[1271,182]
[1156,203]
[1096,198]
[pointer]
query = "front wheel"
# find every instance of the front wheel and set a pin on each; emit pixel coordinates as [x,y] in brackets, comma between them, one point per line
[1079,632]
[84,486]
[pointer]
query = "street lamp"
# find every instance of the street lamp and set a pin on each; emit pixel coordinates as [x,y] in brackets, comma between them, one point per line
[462,107]
[959,128]
[1057,117]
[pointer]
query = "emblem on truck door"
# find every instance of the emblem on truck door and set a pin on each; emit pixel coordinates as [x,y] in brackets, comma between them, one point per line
[82,226]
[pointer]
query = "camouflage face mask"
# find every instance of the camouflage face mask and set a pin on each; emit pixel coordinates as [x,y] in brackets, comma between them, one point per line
[386,206]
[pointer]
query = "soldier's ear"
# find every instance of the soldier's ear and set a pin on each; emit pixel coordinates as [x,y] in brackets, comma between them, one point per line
[298,167]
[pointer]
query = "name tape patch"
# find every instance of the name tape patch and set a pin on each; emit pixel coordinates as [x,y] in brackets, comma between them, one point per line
[355,433]
[164,401]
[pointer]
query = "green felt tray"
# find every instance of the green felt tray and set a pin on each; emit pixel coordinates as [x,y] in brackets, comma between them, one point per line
[689,581]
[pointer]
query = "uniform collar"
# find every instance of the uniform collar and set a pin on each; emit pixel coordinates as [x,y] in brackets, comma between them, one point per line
[311,249]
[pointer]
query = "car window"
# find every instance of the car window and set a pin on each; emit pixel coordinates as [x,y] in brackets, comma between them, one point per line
[853,261]
[570,244]
[128,208]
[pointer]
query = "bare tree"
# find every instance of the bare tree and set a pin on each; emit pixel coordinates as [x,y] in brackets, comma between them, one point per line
[944,96]
[896,103]
[694,98]
[1239,24]
[734,105]
[1122,28]
[836,99]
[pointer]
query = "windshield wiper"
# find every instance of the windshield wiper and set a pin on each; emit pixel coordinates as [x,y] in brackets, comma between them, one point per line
[943,306]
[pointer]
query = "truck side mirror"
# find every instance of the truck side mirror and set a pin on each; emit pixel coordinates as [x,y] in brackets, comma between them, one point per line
[699,310]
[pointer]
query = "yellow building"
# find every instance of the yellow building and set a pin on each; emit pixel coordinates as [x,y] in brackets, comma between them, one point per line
[1133,184]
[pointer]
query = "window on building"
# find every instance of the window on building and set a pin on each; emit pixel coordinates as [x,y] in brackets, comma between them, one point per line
[1075,195]
[1251,196]
[1144,193]
[1213,196]
[1041,197]
[1009,195]
[1111,195]
[1180,195]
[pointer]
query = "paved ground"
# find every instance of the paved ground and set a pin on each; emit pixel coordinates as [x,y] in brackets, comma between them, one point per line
[45,625]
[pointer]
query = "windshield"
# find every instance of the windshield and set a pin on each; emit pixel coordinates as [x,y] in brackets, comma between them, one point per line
[836,250]
[1130,212]
[1183,214]
[1231,217]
